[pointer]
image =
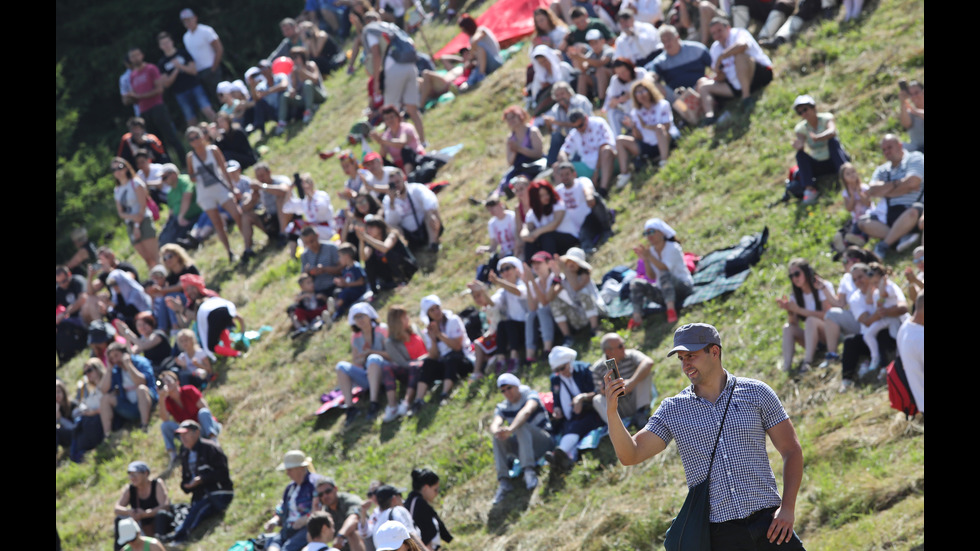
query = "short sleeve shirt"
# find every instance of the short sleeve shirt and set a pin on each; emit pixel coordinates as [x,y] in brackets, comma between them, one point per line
[912,163]
[738,36]
[327,256]
[143,80]
[818,150]
[587,145]
[508,411]
[658,113]
[198,44]
[502,231]
[742,481]
[347,505]
[410,215]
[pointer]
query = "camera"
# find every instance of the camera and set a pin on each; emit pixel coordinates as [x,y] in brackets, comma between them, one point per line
[903,85]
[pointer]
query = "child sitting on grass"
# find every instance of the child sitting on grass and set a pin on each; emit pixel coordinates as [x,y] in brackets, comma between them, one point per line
[305,311]
[195,366]
[352,282]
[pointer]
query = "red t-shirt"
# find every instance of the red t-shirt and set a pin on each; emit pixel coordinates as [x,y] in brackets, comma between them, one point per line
[142,82]
[187,408]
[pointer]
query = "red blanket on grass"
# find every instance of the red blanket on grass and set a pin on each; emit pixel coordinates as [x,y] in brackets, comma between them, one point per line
[509,20]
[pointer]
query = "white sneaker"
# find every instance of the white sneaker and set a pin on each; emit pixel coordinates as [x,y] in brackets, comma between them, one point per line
[391,413]
[403,409]
[863,369]
[906,242]
[845,385]
[623,179]
[662,162]
[530,479]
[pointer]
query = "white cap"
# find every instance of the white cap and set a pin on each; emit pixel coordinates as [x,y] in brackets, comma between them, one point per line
[390,536]
[593,34]
[803,99]
[661,226]
[513,261]
[186,13]
[508,379]
[561,355]
[252,71]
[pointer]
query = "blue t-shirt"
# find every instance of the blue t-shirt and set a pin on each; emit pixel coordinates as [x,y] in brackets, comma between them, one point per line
[683,69]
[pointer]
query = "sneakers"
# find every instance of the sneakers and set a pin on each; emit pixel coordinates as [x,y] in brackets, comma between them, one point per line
[403,409]
[416,407]
[845,385]
[280,128]
[772,43]
[623,179]
[247,255]
[633,325]
[232,258]
[351,416]
[906,242]
[331,307]
[881,249]
[568,342]
[671,315]
[316,325]
[298,332]
[558,460]
[503,489]
[530,479]
[391,413]
[307,116]
[373,410]
[724,118]
[661,163]
[828,358]
[863,370]
[804,367]
[434,247]
[810,196]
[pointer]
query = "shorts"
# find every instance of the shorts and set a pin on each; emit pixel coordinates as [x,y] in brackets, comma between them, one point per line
[147,231]
[894,212]
[401,85]
[125,408]
[213,196]
[488,344]
[760,78]
[193,100]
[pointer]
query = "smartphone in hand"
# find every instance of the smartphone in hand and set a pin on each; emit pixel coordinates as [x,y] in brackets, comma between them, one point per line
[611,366]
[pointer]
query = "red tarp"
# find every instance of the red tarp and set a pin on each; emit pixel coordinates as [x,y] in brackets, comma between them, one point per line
[509,20]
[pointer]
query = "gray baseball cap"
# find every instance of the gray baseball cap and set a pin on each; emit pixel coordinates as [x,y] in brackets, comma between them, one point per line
[693,337]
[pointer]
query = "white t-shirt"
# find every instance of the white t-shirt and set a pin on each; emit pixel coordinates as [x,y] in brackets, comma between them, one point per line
[576,207]
[846,286]
[617,88]
[401,214]
[894,291]
[381,182]
[317,210]
[515,306]
[210,305]
[397,514]
[566,225]
[658,113]
[198,44]
[501,230]
[859,208]
[597,134]
[857,306]
[737,35]
[454,329]
[673,257]
[643,42]
[911,348]
[823,293]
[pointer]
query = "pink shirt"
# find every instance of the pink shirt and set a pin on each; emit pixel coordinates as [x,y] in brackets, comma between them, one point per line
[407,132]
[142,82]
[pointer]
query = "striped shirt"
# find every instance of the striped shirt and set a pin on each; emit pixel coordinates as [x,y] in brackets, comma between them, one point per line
[912,163]
[742,481]
[509,411]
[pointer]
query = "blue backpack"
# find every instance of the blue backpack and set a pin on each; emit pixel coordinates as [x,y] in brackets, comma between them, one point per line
[401,48]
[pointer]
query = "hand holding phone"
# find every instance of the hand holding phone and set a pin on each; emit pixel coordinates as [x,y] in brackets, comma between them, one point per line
[611,366]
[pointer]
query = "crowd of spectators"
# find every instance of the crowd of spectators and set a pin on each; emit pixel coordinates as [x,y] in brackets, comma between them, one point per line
[609,88]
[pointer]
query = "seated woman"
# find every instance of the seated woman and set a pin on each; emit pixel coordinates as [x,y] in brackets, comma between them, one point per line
[144,499]
[425,490]
[485,49]
[151,342]
[650,127]
[128,296]
[363,204]
[183,402]
[320,46]
[625,75]
[577,301]
[512,297]
[400,140]
[484,346]
[406,352]
[64,420]
[539,279]
[548,69]
[87,433]
[368,359]
[545,227]
[193,366]
[213,314]
[314,207]
[384,254]
[813,297]
[524,145]
[458,68]
[233,141]
[548,28]
[176,262]
[663,259]
[293,512]
[450,354]
[573,417]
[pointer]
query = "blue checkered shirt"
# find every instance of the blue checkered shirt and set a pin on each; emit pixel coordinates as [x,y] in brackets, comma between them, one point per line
[742,481]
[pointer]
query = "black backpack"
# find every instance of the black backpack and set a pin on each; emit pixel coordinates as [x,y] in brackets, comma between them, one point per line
[473,322]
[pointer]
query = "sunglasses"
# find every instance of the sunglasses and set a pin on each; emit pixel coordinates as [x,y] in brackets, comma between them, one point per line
[506,268]
[317,493]
[802,109]
[795,274]
[649,232]
[167,256]
[505,388]
[87,371]
[194,138]
[920,259]
[118,167]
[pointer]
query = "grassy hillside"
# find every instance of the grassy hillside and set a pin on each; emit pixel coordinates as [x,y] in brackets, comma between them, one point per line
[863,482]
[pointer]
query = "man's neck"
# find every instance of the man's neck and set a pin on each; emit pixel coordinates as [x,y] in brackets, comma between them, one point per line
[711,388]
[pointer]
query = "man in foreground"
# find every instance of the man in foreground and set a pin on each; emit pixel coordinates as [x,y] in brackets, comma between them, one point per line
[746,511]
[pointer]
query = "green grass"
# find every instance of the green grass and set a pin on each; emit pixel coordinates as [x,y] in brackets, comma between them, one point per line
[863,484]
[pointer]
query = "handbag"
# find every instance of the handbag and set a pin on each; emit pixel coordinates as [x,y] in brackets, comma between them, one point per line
[690,529]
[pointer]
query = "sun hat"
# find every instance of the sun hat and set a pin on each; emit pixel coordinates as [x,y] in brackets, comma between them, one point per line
[390,536]
[138,467]
[294,458]
[186,425]
[561,355]
[128,530]
[577,256]
[693,337]
[659,225]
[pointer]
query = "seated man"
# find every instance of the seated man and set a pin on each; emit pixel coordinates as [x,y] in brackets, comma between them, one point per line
[181,204]
[306,84]
[596,67]
[414,209]
[267,89]
[739,65]
[680,65]
[586,209]
[590,143]
[206,478]
[638,42]
[634,367]
[344,512]
[521,428]
[556,119]
[130,392]
[573,43]
[70,297]
[817,132]
[376,175]
[901,182]
[320,259]
[573,390]
[270,192]
[138,138]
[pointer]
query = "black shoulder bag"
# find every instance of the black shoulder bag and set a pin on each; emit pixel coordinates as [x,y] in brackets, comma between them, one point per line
[690,530]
